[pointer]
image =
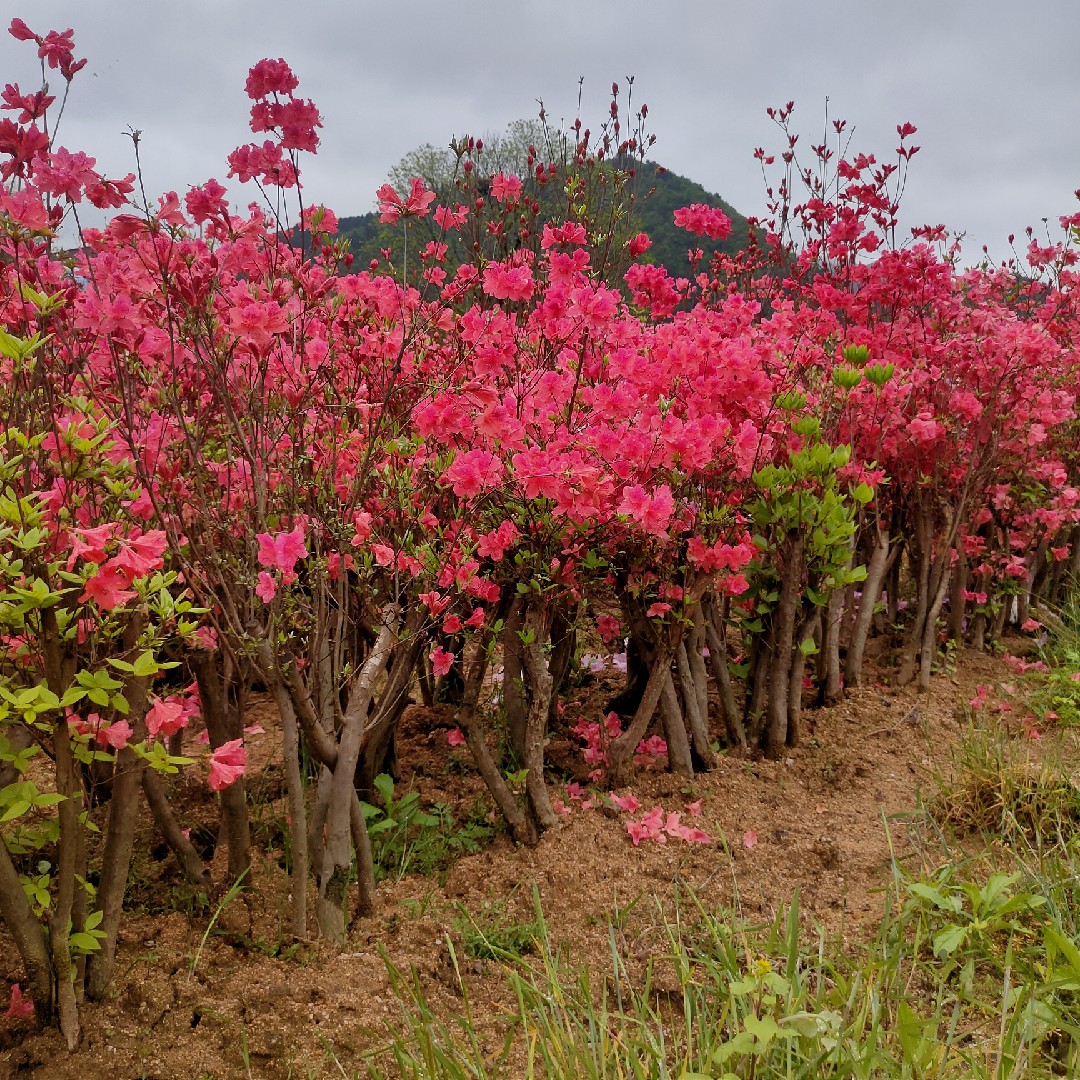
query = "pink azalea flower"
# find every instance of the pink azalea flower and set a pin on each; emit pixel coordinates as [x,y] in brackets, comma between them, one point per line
[166,717]
[441,661]
[652,747]
[107,588]
[283,551]
[924,429]
[653,820]
[703,220]
[392,207]
[506,282]
[435,602]
[507,188]
[451,219]
[652,512]
[115,735]
[455,737]
[21,1007]
[227,764]
[384,555]
[473,472]
[627,803]
[571,232]
[270,77]
[89,544]
[142,555]
[266,590]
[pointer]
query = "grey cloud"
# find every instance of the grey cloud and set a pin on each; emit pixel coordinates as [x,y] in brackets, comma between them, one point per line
[992,85]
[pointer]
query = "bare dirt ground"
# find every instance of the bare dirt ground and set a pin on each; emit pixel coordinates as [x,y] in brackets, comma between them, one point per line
[258,1003]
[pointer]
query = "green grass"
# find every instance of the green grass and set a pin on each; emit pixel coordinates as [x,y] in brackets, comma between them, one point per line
[495,935]
[1007,788]
[971,975]
[1056,693]
[974,973]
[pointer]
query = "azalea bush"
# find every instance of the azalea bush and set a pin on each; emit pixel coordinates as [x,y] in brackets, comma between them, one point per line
[87,609]
[228,458]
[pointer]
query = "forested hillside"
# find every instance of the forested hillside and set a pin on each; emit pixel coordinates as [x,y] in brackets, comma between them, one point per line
[661,192]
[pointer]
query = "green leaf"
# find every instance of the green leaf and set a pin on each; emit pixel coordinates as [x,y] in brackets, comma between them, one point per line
[880,374]
[146,666]
[1065,945]
[846,378]
[912,1034]
[11,346]
[16,809]
[84,942]
[947,941]
[764,1029]
[936,897]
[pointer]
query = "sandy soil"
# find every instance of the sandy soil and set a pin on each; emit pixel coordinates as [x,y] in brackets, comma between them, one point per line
[256,999]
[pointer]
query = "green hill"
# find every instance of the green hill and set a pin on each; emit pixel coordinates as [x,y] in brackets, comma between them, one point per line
[670,244]
[660,193]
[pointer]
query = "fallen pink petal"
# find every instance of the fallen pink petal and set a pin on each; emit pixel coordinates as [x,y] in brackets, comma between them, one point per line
[21,1006]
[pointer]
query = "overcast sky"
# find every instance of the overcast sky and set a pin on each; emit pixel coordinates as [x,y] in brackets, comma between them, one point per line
[992,85]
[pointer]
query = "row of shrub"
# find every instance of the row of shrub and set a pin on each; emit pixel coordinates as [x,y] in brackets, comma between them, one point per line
[227,458]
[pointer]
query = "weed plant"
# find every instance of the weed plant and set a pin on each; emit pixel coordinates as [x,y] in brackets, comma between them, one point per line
[405,837]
